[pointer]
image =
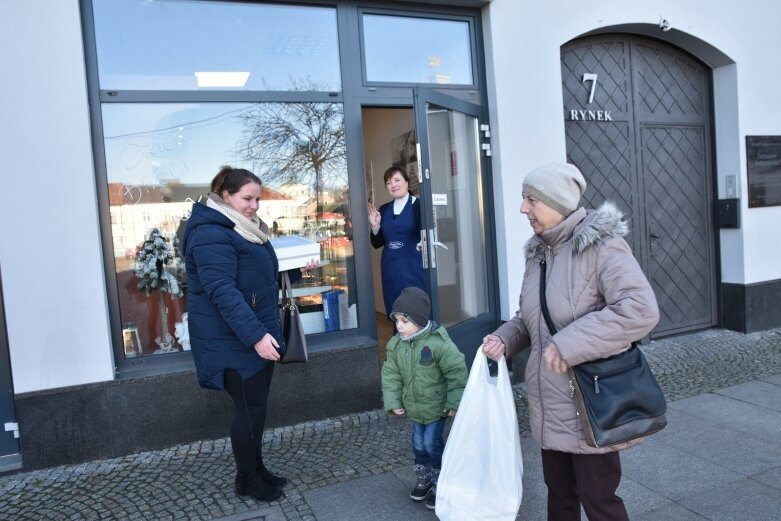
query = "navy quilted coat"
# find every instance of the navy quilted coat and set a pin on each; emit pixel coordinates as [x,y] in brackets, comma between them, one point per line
[232,297]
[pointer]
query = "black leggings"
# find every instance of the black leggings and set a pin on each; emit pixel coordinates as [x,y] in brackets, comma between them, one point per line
[249,415]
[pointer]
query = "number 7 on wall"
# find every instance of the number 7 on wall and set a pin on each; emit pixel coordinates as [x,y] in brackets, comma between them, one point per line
[589,76]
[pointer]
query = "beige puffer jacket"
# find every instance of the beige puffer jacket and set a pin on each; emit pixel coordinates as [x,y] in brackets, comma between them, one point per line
[599,300]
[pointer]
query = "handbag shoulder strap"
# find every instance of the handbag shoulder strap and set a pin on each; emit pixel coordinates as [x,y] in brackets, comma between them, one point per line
[287,290]
[543,301]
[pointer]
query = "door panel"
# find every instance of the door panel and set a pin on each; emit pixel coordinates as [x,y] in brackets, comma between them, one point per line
[10,458]
[651,157]
[678,221]
[453,210]
[604,152]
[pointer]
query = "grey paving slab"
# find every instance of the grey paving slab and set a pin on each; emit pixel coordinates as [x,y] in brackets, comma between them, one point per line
[262,514]
[773,379]
[343,464]
[772,477]
[762,394]
[535,493]
[533,506]
[735,414]
[671,472]
[744,499]
[406,475]
[382,496]
[638,498]
[669,512]
[533,482]
[717,444]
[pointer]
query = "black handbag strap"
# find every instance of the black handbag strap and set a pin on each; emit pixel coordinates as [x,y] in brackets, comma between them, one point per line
[543,301]
[287,291]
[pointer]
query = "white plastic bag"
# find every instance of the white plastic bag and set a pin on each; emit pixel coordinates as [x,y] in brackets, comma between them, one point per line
[482,465]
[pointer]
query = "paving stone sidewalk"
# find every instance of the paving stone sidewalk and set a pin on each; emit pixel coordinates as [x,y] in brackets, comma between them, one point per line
[194,481]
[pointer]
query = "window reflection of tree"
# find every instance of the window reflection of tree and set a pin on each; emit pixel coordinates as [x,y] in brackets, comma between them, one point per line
[296,143]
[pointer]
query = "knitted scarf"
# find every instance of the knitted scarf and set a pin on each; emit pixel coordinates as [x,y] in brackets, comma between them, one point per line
[251,230]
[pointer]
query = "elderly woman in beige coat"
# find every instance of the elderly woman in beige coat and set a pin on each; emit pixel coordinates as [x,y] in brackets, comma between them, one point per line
[600,302]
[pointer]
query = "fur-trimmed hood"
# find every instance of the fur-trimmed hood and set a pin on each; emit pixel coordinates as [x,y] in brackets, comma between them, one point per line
[605,221]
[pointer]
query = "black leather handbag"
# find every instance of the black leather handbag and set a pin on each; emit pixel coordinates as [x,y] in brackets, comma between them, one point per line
[292,329]
[618,397]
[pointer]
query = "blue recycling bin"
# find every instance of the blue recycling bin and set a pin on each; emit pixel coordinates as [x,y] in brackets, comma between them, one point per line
[331,309]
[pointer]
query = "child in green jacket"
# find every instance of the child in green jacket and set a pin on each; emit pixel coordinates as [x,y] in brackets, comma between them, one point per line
[423,376]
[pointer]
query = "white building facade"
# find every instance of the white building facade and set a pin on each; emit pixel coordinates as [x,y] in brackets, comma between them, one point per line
[667,107]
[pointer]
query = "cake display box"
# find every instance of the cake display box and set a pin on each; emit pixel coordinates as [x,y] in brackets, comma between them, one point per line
[294,252]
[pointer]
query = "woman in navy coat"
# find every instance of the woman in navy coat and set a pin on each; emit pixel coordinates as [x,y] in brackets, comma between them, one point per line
[396,229]
[234,319]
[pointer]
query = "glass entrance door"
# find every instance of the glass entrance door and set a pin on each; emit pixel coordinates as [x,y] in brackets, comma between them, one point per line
[456,247]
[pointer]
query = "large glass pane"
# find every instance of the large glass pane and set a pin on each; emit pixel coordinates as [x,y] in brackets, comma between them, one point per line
[417,50]
[161,157]
[191,45]
[459,238]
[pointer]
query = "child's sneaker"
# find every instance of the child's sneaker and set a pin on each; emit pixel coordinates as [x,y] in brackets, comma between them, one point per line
[423,484]
[431,500]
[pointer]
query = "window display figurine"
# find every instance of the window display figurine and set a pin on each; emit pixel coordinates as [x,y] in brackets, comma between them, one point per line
[182,333]
[158,267]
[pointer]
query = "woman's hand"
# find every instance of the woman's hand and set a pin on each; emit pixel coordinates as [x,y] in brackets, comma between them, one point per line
[493,347]
[310,265]
[553,359]
[374,218]
[266,348]
[399,412]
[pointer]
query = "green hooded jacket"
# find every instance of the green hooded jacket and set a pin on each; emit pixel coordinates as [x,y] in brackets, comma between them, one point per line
[425,375]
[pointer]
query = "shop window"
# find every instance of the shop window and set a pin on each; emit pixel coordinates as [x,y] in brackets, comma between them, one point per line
[208,45]
[401,49]
[160,158]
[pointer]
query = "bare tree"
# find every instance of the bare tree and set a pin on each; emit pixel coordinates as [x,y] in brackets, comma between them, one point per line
[297,142]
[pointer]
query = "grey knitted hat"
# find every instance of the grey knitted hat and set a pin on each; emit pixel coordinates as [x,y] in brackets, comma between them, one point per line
[414,304]
[559,185]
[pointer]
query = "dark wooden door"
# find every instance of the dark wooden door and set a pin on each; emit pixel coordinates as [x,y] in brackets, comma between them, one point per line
[637,117]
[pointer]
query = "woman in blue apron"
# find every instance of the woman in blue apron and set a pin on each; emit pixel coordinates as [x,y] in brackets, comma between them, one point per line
[396,228]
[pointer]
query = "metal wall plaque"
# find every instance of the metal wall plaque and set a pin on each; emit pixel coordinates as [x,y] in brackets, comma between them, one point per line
[763,155]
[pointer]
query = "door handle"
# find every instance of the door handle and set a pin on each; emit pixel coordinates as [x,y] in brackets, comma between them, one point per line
[439,245]
[654,235]
[433,242]
[423,248]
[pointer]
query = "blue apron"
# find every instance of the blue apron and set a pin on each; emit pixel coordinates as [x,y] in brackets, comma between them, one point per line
[402,263]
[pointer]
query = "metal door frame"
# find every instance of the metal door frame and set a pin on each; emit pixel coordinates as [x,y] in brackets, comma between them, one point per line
[467,335]
[10,455]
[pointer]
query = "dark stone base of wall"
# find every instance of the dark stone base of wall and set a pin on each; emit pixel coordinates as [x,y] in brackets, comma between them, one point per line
[751,307]
[120,417]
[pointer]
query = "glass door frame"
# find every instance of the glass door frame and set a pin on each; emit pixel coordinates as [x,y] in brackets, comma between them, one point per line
[469,333]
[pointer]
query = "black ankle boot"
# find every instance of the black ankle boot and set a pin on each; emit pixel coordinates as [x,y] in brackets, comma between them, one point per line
[268,477]
[252,485]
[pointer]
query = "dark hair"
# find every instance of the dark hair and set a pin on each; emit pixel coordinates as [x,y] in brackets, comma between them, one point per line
[232,179]
[392,170]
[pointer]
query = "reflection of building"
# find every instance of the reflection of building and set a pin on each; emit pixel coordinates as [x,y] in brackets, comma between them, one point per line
[136,210]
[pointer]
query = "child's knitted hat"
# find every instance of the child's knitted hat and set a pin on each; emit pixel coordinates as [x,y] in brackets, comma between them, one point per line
[414,304]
